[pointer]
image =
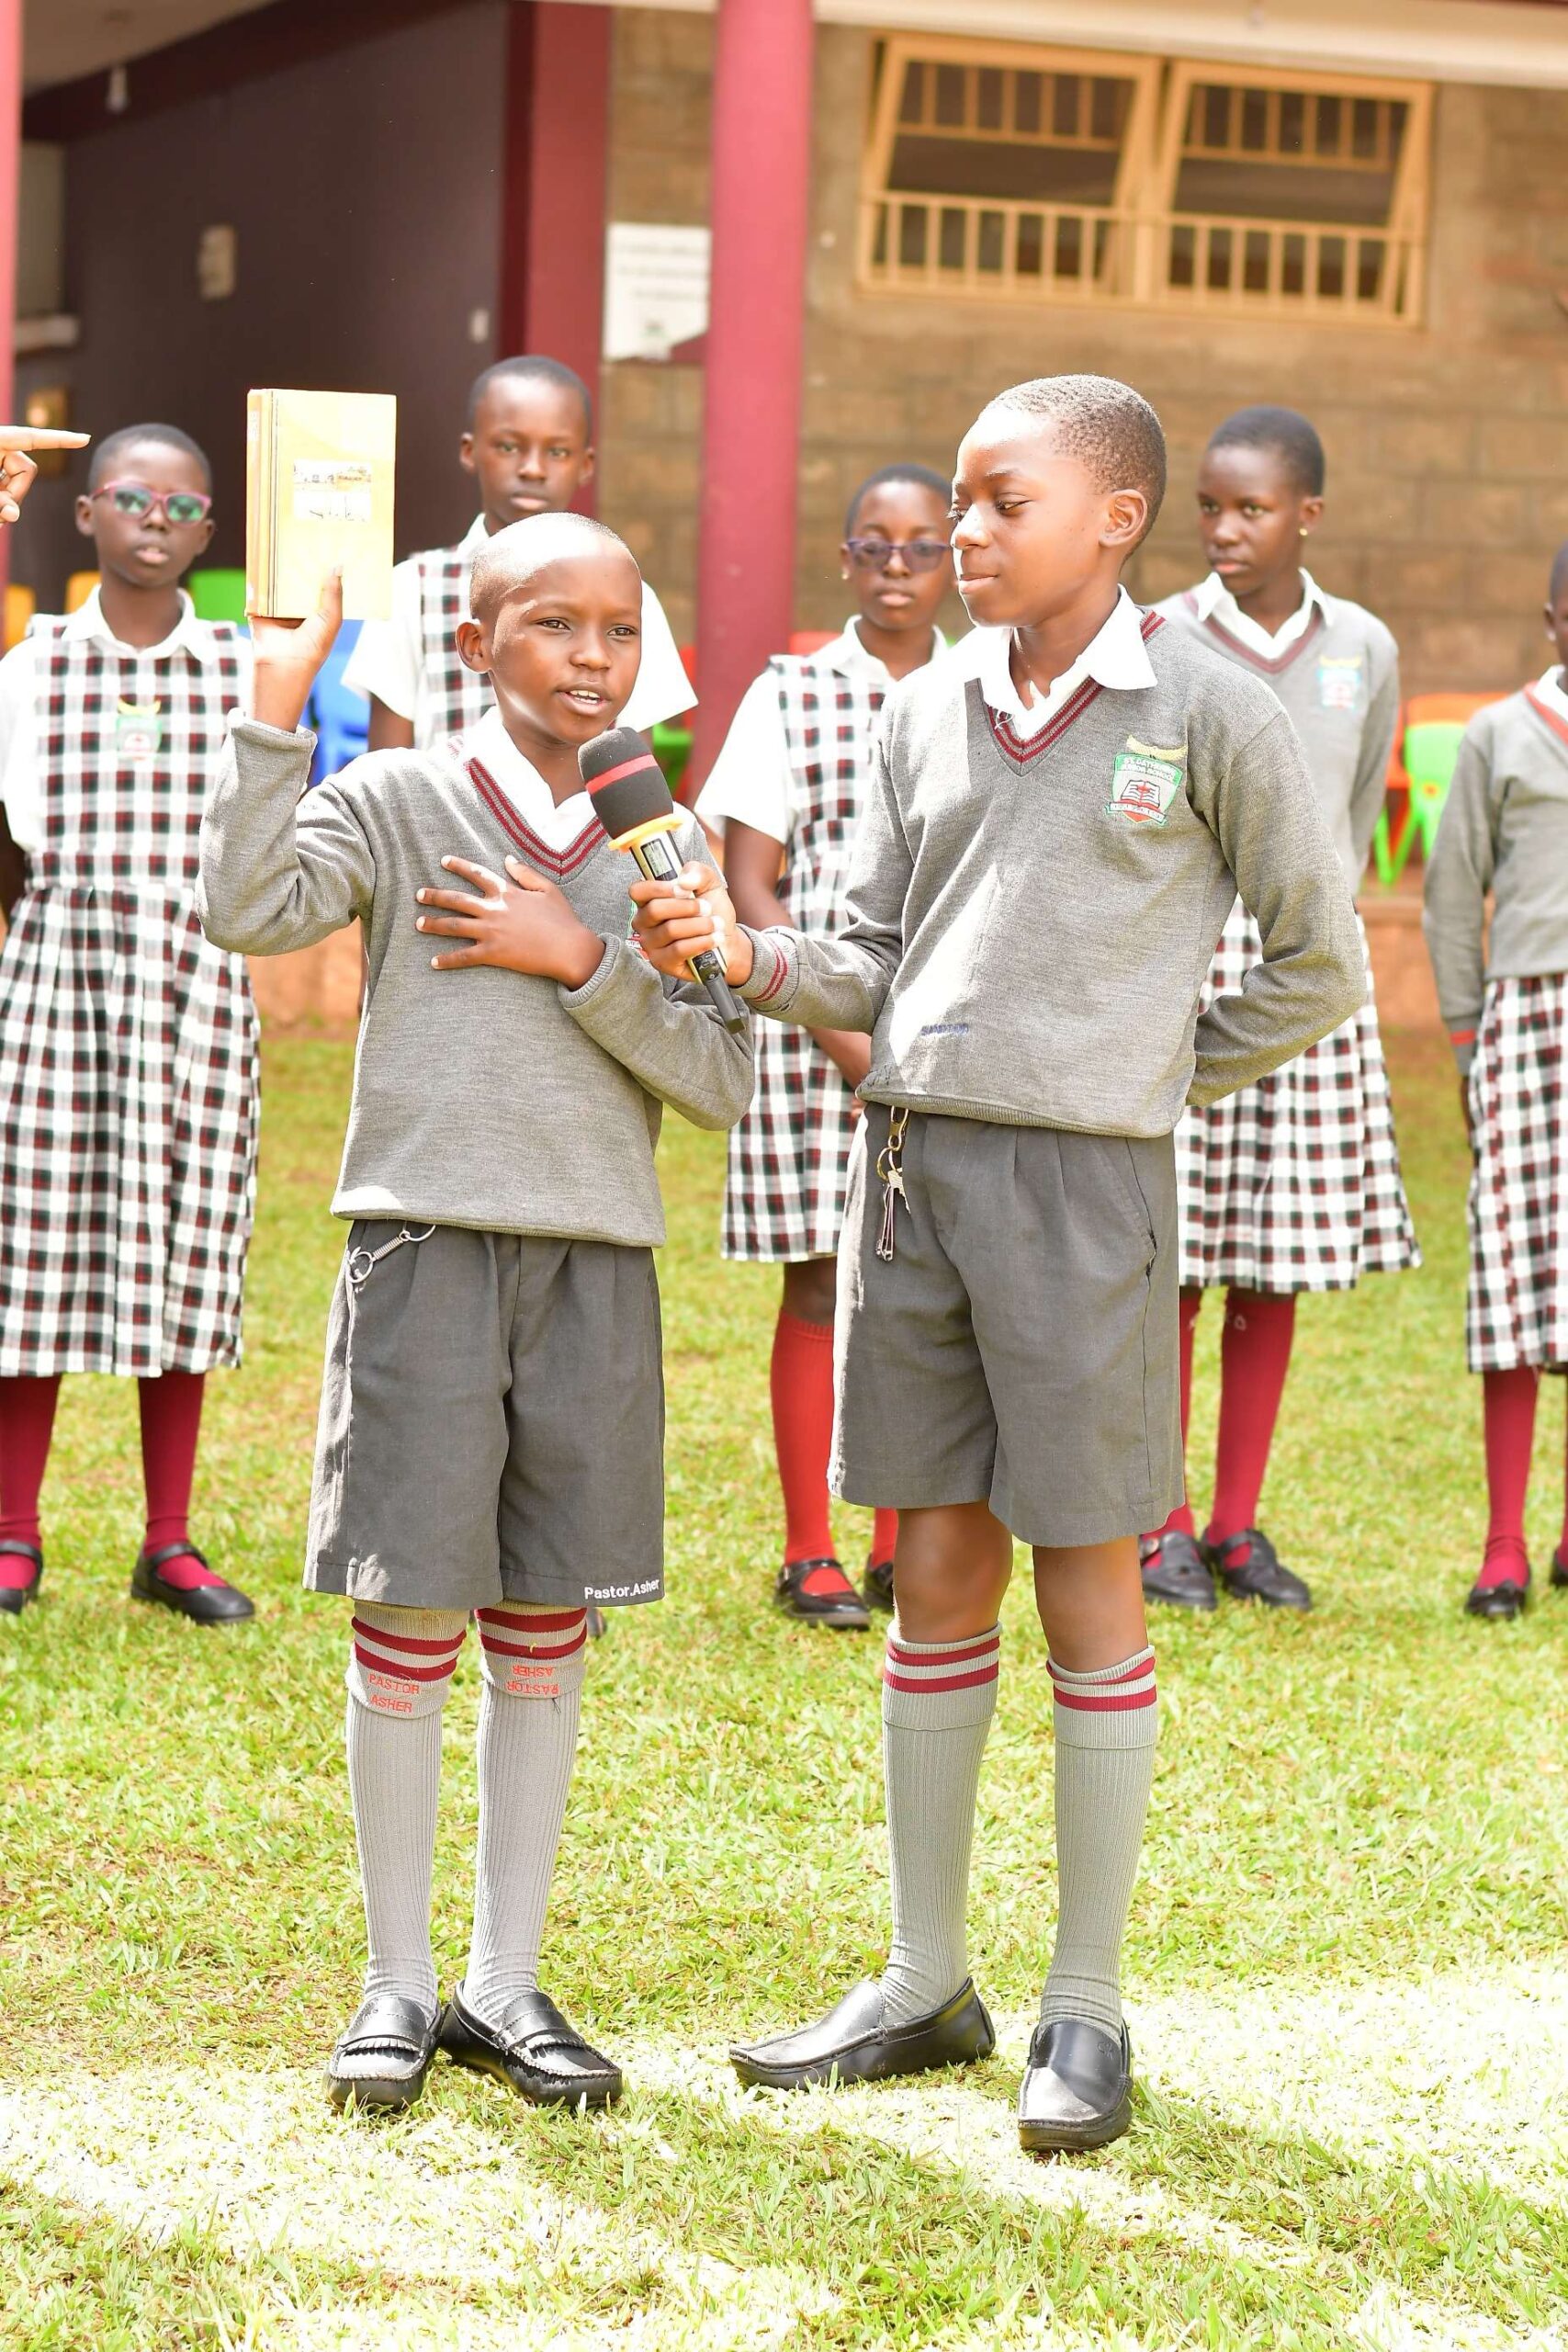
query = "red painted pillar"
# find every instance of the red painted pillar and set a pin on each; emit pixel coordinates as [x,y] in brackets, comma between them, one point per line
[759,208]
[557,133]
[10,178]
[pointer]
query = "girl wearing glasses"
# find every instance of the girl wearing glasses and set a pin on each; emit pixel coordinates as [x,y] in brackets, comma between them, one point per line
[127,1081]
[785,790]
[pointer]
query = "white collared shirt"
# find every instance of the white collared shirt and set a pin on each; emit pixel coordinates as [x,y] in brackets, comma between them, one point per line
[1549,690]
[1215,603]
[387,660]
[21,773]
[557,823]
[1115,656]
[751,779]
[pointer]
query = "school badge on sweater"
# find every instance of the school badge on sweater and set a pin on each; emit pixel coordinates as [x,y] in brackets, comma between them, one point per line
[1144,780]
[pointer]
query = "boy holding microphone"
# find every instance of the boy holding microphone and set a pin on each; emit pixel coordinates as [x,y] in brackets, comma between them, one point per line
[492,1412]
[1058,821]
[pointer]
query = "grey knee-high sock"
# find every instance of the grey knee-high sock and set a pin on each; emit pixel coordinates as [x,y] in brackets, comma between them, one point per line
[938,1698]
[532,1662]
[1106,1727]
[400,1670]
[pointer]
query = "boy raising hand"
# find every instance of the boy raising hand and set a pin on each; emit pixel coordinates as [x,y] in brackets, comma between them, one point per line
[1060,818]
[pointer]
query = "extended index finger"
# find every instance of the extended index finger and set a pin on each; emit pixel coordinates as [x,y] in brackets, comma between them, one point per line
[40,437]
[482,877]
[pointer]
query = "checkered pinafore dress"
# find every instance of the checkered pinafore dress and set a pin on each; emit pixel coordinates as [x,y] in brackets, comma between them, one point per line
[1517,1307]
[128,1077]
[789,1155]
[450,698]
[1294,1184]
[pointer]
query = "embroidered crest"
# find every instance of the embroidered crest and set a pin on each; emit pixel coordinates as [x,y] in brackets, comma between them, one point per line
[139,731]
[1340,678]
[1144,780]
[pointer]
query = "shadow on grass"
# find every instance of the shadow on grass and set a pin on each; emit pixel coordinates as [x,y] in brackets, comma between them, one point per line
[1193,2225]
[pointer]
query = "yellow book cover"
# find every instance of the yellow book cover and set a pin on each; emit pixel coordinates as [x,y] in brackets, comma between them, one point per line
[318,493]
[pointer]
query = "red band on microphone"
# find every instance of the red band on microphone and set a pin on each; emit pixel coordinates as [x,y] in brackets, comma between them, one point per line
[639,766]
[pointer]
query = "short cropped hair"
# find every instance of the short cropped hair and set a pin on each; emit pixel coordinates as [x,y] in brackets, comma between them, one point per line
[510,557]
[1285,431]
[532,367]
[1104,424]
[110,452]
[922,476]
[1559,582]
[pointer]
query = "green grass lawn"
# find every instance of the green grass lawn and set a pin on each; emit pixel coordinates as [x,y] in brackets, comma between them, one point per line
[1344,1971]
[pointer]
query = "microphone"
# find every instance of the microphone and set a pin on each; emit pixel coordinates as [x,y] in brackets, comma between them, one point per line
[632,802]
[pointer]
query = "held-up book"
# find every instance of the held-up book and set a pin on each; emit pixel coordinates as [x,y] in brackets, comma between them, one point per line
[318,493]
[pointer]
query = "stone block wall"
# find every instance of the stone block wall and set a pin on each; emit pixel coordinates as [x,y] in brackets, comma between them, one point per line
[1447,444]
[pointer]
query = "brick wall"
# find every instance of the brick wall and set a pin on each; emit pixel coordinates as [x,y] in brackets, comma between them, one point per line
[1448,445]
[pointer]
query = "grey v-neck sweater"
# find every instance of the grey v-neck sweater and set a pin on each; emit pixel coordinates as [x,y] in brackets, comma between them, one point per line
[1504,830]
[1030,923]
[1339,684]
[481,1097]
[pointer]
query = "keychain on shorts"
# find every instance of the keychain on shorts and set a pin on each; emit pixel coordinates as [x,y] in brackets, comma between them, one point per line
[361,1264]
[890,1167]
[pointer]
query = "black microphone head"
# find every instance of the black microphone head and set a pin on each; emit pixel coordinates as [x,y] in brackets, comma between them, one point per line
[624,782]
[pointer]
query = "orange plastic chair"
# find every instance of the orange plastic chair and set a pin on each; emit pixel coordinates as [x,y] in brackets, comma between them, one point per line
[20,605]
[78,588]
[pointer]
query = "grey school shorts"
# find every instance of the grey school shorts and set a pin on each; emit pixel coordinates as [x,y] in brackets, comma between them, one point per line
[1021,1347]
[491,1424]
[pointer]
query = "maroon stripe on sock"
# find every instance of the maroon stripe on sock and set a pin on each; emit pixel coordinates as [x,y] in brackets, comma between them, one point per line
[544,1620]
[399,1671]
[943,1681]
[954,1654]
[1110,1705]
[410,1642]
[1127,1674]
[553,1653]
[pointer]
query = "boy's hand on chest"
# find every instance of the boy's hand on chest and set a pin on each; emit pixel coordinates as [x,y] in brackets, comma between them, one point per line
[519,923]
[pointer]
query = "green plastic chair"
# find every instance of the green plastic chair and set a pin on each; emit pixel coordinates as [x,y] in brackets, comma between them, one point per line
[672,750]
[218,595]
[1434,729]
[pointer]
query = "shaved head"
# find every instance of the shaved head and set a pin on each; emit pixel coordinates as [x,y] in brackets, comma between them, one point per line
[509,559]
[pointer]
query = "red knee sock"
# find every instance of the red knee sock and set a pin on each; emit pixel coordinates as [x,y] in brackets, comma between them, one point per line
[26,1424]
[1255,1355]
[171,1422]
[884,1537]
[1508,1412]
[802,1387]
[1188,1305]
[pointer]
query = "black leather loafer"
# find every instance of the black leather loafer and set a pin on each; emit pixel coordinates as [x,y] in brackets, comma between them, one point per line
[384,2055]
[1498,1601]
[851,2044]
[1077,2091]
[207,1604]
[876,1592]
[1249,1568]
[532,2048]
[820,1591]
[1558,1579]
[16,1597]
[1174,1571]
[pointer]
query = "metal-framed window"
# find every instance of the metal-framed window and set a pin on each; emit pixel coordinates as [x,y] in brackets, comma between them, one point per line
[1028,175]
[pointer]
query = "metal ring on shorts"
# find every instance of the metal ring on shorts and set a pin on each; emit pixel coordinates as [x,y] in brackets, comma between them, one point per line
[361,1264]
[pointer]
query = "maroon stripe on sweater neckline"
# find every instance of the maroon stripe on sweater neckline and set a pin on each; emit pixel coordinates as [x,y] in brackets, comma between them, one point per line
[558,864]
[1547,716]
[1271,664]
[1024,754]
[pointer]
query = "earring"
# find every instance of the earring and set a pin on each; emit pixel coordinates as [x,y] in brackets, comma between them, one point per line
[1304,531]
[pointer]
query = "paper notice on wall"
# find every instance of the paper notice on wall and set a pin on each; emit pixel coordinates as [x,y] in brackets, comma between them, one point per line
[656,289]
